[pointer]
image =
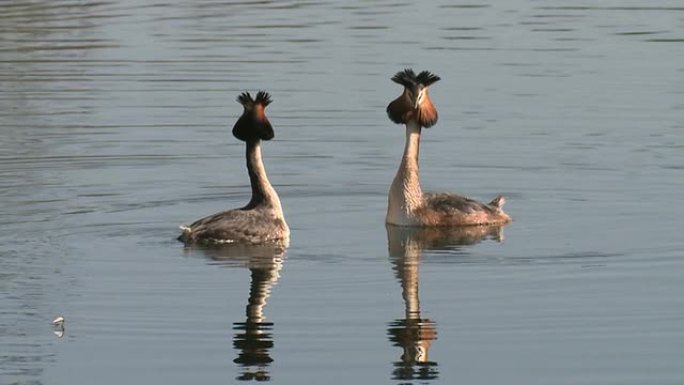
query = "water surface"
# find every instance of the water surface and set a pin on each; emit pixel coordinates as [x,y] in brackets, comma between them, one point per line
[116,117]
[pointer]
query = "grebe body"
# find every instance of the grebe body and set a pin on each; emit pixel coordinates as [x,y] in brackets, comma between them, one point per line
[408,205]
[262,219]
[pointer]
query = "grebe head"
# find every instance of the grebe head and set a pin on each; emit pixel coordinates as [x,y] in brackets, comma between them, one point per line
[253,125]
[414,103]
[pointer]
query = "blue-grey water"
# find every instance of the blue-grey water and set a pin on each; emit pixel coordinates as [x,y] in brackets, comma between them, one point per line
[115,125]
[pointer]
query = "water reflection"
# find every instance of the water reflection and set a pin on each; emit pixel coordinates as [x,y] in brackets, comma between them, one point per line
[253,338]
[414,333]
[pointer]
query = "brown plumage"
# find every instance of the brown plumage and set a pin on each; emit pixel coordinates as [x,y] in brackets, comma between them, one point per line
[445,209]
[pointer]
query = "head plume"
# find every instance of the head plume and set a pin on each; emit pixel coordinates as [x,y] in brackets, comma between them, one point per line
[406,78]
[253,125]
[414,103]
[427,78]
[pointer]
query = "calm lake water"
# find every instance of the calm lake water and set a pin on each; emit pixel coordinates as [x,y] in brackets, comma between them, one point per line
[115,125]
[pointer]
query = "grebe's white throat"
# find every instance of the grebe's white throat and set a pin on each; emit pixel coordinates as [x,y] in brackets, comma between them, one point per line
[405,195]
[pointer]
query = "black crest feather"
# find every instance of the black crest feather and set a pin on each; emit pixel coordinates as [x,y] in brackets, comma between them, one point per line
[426,78]
[245,98]
[253,125]
[406,78]
[263,97]
[409,79]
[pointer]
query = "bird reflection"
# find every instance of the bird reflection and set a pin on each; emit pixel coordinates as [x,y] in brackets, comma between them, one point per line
[253,338]
[414,333]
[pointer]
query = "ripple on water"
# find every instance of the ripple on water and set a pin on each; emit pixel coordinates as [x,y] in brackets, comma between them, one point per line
[116,123]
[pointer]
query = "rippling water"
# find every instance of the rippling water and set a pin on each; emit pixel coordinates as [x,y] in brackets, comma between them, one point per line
[115,121]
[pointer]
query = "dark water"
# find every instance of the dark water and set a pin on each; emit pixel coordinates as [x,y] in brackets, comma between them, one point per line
[115,121]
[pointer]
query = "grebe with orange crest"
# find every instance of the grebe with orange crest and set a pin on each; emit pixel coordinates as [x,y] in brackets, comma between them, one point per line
[408,205]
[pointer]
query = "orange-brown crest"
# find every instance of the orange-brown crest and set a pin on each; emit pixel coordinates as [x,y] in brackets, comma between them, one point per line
[401,110]
[414,102]
[427,113]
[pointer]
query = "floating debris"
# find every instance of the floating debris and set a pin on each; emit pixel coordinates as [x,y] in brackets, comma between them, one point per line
[58,324]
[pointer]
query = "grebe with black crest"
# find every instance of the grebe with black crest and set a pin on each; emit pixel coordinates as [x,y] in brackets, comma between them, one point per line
[408,205]
[261,220]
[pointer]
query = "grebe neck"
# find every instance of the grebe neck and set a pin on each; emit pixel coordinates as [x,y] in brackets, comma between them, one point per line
[405,191]
[407,179]
[262,191]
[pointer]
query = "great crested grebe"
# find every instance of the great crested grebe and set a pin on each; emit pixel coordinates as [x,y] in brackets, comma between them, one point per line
[408,205]
[261,220]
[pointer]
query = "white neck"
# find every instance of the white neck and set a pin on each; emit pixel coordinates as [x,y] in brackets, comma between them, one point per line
[405,194]
[262,191]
